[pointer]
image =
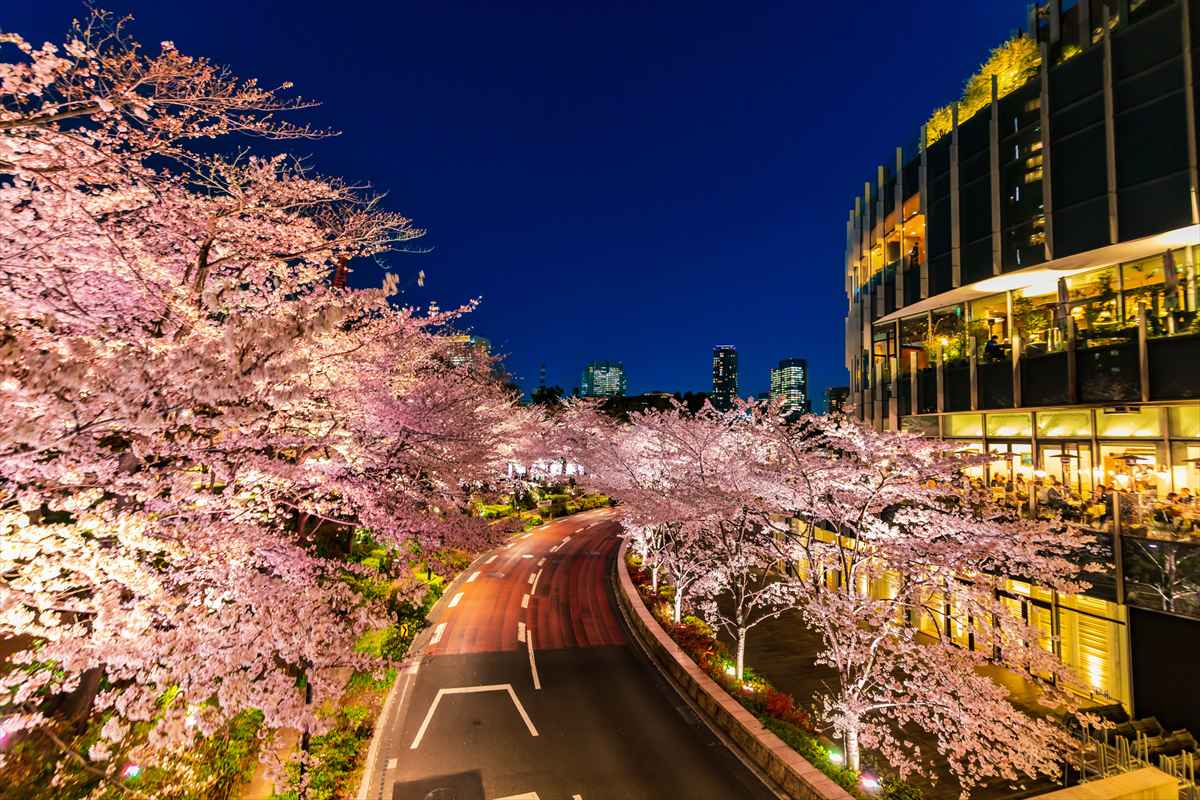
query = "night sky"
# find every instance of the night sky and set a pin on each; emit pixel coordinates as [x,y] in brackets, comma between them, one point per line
[632,182]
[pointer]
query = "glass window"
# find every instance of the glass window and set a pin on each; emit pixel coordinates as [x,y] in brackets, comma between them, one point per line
[1185,421]
[1011,468]
[1033,318]
[1144,287]
[958,425]
[1129,423]
[1095,307]
[1095,647]
[989,320]
[1133,468]
[1066,471]
[1009,426]
[1185,473]
[914,338]
[949,331]
[1064,424]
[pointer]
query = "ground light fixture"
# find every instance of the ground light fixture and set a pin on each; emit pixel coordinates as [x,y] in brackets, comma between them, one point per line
[131,771]
[836,757]
[869,782]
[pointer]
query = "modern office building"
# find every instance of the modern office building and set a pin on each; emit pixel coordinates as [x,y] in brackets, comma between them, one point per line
[603,379]
[465,347]
[1023,281]
[724,377]
[836,398]
[789,384]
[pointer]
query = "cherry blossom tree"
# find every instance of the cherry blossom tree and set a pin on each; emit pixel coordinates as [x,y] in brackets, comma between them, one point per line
[193,407]
[905,575]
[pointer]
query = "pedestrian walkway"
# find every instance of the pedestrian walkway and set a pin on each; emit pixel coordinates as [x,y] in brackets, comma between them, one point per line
[784,651]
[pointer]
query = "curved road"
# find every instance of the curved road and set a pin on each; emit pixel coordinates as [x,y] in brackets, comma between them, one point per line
[529,689]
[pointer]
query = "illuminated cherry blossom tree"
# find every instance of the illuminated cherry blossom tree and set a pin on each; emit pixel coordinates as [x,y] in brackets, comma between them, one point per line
[903,569]
[194,411]
[905,574]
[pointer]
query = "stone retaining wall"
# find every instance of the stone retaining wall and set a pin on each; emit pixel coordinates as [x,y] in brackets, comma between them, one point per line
[790,771]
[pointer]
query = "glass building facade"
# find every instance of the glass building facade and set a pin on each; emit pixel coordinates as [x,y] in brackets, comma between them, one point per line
[603,379]
[789,384]
[1024,283]
[724,377]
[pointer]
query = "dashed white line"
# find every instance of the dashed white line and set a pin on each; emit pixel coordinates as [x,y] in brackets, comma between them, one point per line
[454,600]
[525,601]
[537,683]
[541,561]
[531,578]
[526,555]
[520,631]
[536,578]
[555,548]
[490,560]
[437,633]
[392,763]
[474,575]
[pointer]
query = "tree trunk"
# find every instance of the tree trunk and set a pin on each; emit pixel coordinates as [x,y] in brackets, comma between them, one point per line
[852,755]
[654,578]
[678,605]
[741,652]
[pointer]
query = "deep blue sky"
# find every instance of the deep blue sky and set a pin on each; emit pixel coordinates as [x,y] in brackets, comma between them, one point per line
[633,182]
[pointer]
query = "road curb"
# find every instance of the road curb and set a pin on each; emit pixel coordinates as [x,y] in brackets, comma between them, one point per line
[788,771]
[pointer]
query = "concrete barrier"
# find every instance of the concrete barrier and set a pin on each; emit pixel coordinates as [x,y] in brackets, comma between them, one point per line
[790,771]
[1140,784]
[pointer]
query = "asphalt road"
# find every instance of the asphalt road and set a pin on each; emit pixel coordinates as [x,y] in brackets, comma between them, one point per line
[530,689]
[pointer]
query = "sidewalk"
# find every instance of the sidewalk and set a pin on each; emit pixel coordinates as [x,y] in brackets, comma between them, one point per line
[784,651]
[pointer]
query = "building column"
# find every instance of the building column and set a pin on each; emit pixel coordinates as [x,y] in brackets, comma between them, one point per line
[1110,134]
[941,377]
[1189,102]
[924,176]
[899,201]
[994,158]
[1047,188]
[955,212]
[1072,362]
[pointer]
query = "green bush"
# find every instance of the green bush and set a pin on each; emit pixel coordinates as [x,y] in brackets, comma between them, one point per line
[811,748]
[332,757]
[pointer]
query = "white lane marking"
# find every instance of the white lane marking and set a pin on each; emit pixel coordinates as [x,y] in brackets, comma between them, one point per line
[413,667]
[537,683]
[392,763]
[495,687]
[566,539]
[490,560]
[526,555]
[536,578]
[437,633]
[520,631]
[454,600]
[526,796]
[541,561]
[555,548]
[525,601]
[526,536]
[474,575]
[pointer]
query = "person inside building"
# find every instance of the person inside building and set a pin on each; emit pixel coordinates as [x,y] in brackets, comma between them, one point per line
[992,351]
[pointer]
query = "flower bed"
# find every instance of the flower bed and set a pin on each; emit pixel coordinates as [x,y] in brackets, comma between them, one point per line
[776,710]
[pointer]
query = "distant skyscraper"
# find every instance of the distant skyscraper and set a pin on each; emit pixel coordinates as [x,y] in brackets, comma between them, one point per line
[725,376]
[603,379]
[465,345]
[789,383]
[836,398]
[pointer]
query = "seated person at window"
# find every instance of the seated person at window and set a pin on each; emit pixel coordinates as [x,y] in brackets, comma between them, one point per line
[992,351]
